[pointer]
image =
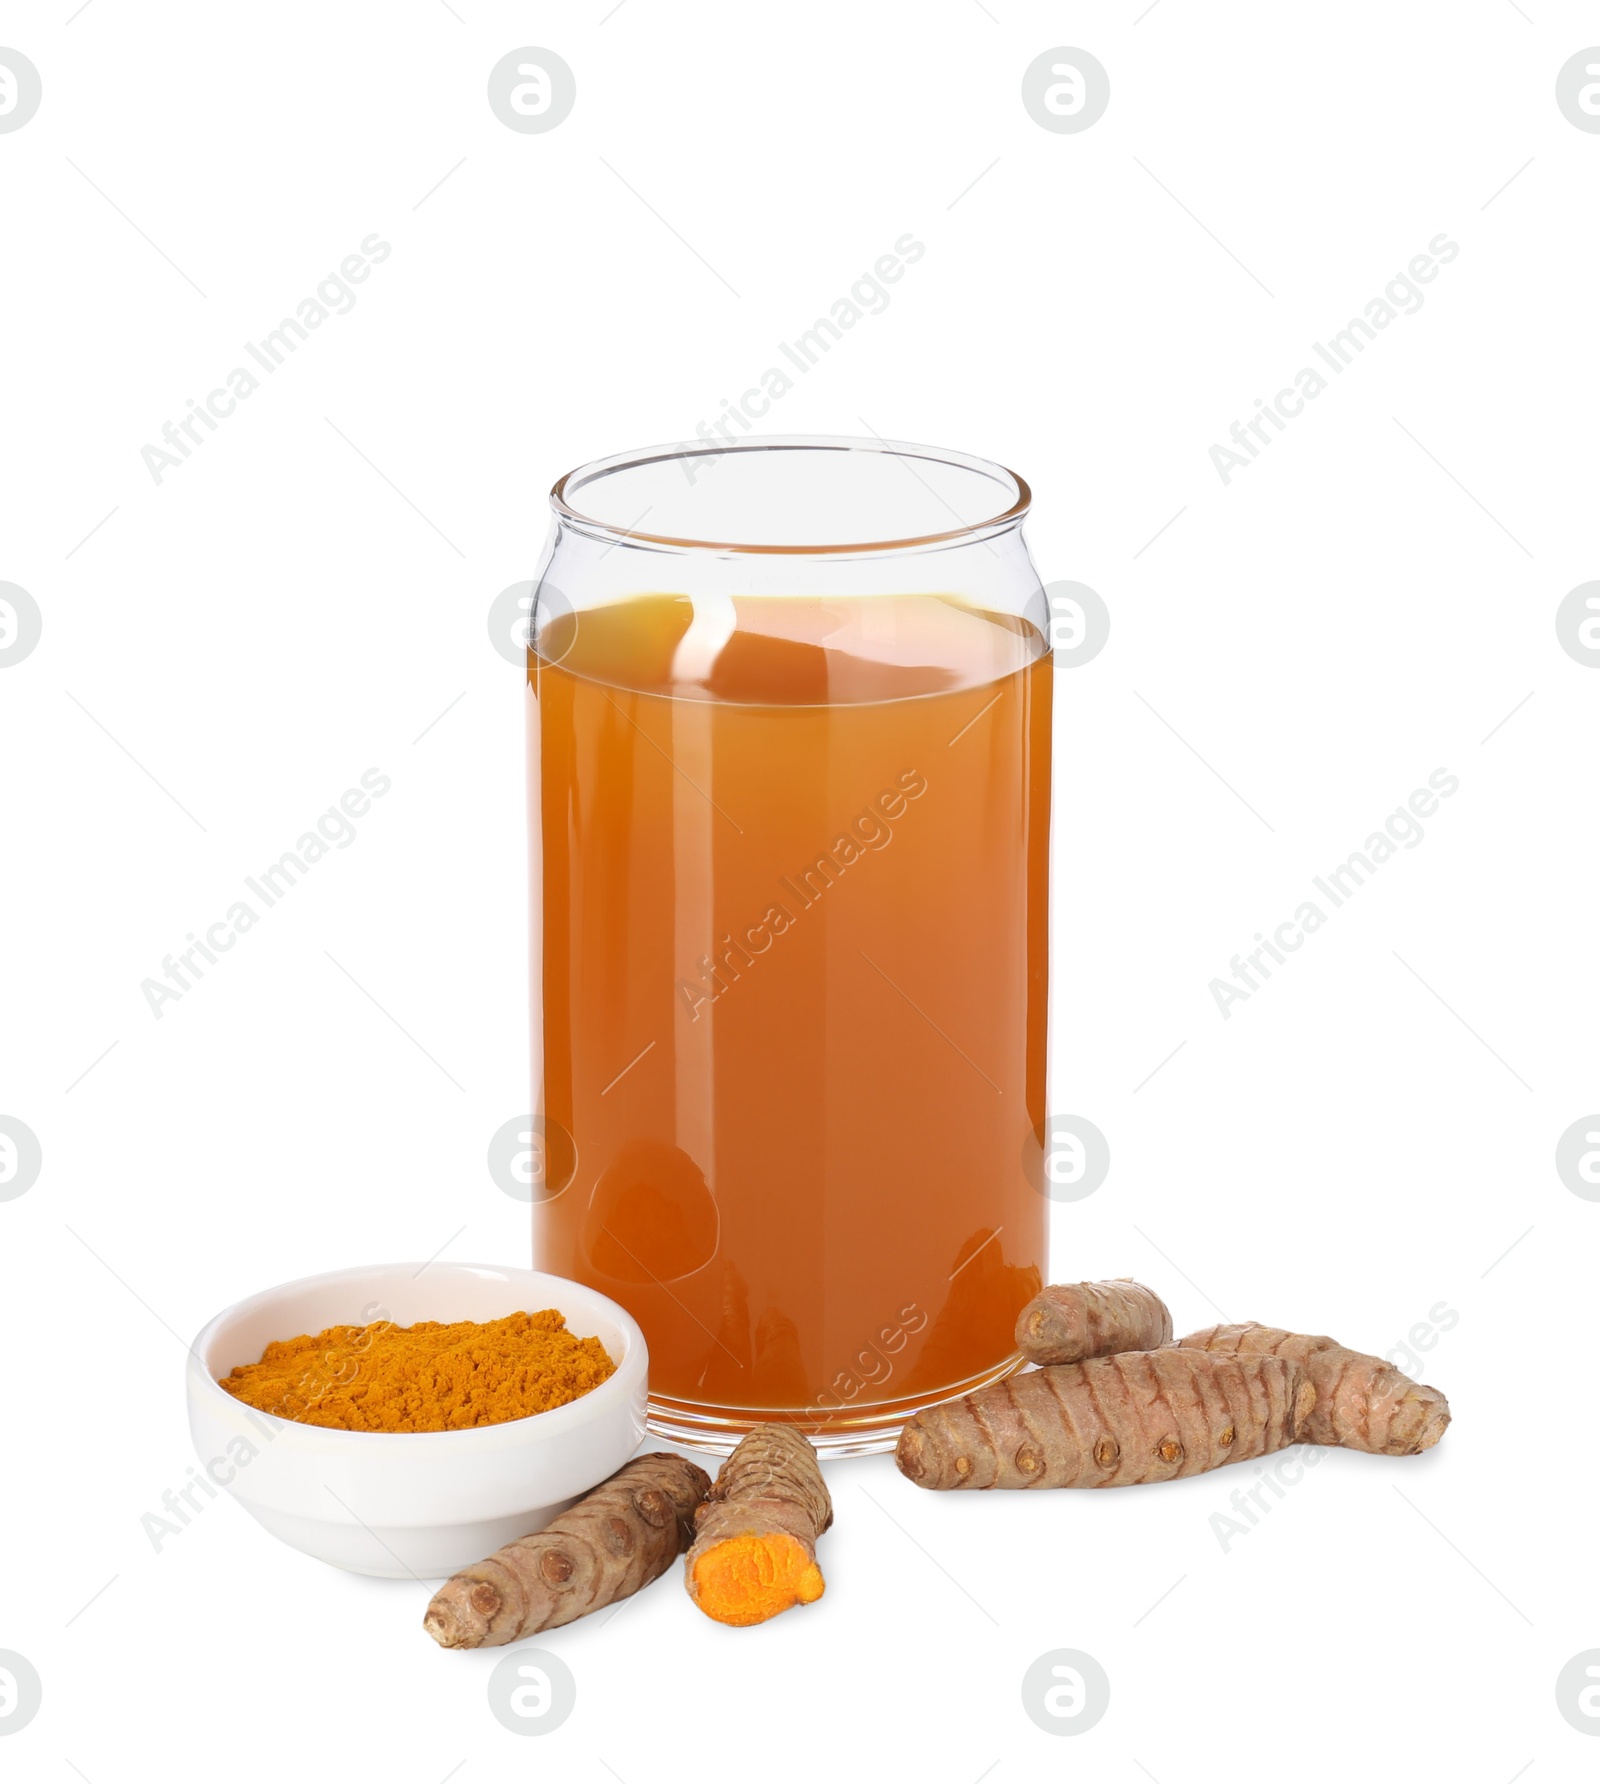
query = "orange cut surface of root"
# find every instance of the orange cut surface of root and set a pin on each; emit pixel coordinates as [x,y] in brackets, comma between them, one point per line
[747,1579]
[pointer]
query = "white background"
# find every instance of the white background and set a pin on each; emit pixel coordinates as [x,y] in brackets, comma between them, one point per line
[1369,1136]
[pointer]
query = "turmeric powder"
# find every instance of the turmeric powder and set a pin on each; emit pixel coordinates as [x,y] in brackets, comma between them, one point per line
[426,1377]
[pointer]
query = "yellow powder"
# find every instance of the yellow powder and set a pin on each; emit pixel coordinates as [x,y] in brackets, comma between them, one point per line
[426,1377]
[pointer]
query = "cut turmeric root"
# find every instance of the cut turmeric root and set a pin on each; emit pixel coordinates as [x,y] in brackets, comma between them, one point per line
[1117,1421]
[1073,1321]
[623,1535]
[1363,1403]
[746,1579]
[755,1546]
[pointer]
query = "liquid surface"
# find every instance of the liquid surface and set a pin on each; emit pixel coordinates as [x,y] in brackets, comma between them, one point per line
[794,861]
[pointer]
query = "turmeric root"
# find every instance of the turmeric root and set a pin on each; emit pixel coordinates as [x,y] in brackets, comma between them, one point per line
[623,1535]
[1363,1403]
[1116,1421]
[1071,1322]
[755,1546]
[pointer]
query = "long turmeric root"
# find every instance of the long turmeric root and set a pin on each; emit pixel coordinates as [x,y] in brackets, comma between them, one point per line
[1115,1421]
[623,1535]
[755,1546]
[1071,1322]
[1363,1403]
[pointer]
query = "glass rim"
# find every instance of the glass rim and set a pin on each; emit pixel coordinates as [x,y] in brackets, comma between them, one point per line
[566,487]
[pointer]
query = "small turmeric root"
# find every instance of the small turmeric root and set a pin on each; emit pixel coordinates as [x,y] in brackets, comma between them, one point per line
[1117,1421]
[755,1546]
[1071,1322]
[623,1535]
[1363,1403]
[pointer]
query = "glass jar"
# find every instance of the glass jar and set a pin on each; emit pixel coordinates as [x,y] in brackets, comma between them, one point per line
[789,775]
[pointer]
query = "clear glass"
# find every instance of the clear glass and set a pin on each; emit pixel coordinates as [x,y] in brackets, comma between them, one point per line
[789,780]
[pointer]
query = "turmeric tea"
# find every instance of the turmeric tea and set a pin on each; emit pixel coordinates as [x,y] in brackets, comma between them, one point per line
[426,1377]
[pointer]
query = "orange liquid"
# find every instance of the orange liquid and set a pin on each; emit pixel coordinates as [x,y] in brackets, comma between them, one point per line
[794,937]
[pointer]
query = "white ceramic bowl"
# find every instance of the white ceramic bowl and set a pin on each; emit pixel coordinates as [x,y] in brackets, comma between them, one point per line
[412,1504]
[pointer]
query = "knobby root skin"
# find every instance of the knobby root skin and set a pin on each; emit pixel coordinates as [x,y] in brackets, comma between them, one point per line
[623,1535]
[755,1545]
[1073,1321]
[1363,1403]
[1117,1421]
